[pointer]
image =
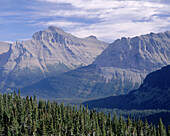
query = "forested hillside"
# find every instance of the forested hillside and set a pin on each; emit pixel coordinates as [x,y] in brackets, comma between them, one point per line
[25,116]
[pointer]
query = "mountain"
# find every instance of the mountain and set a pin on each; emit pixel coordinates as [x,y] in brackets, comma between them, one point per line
[121,67]
[4,47]
[49,52]
[154,93]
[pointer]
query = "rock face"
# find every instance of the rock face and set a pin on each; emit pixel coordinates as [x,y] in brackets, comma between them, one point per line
[4,47]
[121,67]
[49,52]
[133,58]
[154,93]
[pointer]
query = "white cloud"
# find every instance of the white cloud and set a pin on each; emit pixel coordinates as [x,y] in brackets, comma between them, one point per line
[100,8]
[11,42]
[9,13]
[107,19]
[112,31]
[115,19]
[61,23]
[105,4]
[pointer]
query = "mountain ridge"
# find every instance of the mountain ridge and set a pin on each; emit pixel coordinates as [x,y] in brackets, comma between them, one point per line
[50,52]
[108,75]
[152,94]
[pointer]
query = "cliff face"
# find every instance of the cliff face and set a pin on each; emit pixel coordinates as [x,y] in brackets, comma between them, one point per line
[49,52]
[154,93]
[133,58]
[121,67]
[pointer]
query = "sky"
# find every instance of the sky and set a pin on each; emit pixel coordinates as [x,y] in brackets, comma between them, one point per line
[105,19]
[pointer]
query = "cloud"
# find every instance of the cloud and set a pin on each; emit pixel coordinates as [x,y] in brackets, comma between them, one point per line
[115,19]
[11,42]
[106,4]
[111,31]
[62,23]
[103,9]
[107,19]
[10,13]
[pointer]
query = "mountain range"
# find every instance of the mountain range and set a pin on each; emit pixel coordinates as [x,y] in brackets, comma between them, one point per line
[49,52]
[154,93]
[121,67]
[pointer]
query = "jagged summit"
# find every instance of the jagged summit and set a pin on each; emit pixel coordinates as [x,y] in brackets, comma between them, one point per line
[92,37]
[50,32]
[121,67]
[54,28]
[144,52]
[49,52]
[4,47]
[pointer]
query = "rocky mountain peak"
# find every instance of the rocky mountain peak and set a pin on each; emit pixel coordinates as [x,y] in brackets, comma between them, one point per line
[53,28]
[120,68]
[49,52]
[146,52]
[52,34]
[92,37]
[4,47]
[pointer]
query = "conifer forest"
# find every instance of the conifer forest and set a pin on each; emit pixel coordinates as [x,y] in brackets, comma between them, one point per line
[31,117]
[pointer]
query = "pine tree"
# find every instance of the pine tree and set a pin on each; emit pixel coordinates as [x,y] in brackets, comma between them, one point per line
[146,128]
[103,127]
[1,112]
[120,127]
[24,117]
[49,125]
[6,120]
[129,126]
[139,127]
[115,124]
[41,129]
[161,128]
[168,130]
[87,120]
[81,122]
[109,126]
[124,128]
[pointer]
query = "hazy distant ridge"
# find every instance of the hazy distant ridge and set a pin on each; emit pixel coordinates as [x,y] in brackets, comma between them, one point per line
[154,93]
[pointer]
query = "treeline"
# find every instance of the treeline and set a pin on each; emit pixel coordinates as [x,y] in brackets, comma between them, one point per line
[27,116]
[152,115]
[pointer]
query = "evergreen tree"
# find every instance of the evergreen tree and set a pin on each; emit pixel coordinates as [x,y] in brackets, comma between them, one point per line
[161,128]
[115,124]
[25,117]
[168,130]
[109,126]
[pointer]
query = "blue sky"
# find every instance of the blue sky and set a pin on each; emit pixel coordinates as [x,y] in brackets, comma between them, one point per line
[106,19]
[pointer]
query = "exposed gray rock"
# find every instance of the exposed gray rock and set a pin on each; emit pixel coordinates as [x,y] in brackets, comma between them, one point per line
[154,93]
[121,67]
[133,58]
[49,52]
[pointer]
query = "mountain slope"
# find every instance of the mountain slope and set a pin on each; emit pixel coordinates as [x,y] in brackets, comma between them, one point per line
[154,93]
[121,67]
[4,47]
[141,54]
[49,52]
